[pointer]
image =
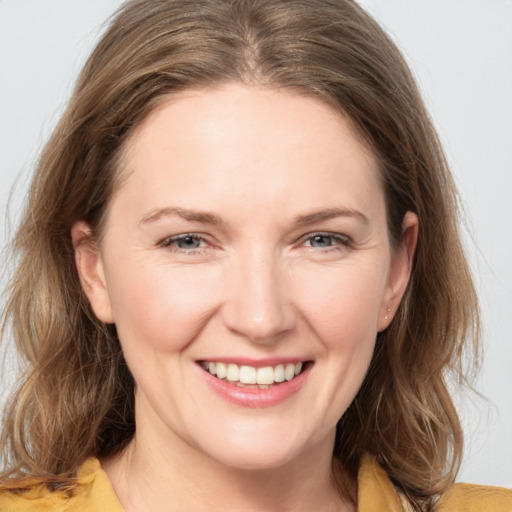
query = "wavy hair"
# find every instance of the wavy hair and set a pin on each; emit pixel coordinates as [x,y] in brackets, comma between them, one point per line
[76,397]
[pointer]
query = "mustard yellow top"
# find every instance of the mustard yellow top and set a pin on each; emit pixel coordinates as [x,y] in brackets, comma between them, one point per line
[376,493]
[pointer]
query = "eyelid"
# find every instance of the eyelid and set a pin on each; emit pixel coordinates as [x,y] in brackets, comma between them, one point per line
[344,239]
[341,239]
[169,240]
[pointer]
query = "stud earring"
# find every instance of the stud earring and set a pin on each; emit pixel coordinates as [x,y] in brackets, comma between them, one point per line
[387,312]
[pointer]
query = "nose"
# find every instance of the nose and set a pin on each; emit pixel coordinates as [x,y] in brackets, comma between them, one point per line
[257,305]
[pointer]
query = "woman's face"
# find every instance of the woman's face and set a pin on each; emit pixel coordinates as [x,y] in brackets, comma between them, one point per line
[248,239]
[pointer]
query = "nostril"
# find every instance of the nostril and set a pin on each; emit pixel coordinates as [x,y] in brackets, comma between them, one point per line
[260,324]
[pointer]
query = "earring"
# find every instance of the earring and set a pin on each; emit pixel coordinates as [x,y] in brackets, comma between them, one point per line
[387,312]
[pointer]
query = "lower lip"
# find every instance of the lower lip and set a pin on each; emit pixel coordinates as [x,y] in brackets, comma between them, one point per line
[256,397]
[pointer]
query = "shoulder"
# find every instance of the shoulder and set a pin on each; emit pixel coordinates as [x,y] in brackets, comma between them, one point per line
[93,492]
[37,499]
[377,493]
[475,498]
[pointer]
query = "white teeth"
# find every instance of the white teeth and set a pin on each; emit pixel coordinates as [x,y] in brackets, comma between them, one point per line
[289,371]
[222,370]
[279,373]
[232,373]
[249,376]
[265,375]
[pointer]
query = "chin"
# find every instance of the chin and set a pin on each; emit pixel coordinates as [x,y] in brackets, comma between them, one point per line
[256,460]
[258,452]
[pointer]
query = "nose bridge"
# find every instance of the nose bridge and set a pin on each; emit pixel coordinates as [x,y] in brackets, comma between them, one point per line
[258,305]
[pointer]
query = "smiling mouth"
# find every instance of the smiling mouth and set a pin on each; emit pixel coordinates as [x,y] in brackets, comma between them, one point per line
[249,376]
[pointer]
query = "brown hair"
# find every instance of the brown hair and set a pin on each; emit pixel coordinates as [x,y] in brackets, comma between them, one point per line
[76,397]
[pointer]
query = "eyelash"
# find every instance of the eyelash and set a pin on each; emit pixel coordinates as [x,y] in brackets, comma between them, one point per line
[172,242]
[339,242]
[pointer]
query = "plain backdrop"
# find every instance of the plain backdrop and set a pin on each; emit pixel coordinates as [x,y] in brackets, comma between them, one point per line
[461,53]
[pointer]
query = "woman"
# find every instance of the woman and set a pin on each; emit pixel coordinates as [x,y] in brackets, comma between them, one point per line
[240,282]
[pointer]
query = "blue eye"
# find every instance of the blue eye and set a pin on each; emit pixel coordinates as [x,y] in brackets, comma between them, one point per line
[188,242]
[185,243]
[322,241]
[325,241]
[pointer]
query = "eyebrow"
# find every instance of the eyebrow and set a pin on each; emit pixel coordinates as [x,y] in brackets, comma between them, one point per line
[330,213]
[184,213]
[210,218]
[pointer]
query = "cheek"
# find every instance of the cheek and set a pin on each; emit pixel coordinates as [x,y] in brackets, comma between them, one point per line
[342,303]
[161,307]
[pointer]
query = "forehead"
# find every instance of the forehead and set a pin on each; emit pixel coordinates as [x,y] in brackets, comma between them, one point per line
[246,143]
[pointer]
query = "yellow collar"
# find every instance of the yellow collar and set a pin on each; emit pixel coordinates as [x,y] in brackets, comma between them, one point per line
[376,493]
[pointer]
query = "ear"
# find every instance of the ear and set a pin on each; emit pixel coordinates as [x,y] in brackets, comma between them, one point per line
[89,265]
[400,271]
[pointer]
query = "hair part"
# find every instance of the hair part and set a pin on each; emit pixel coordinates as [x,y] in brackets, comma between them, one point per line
[76,398]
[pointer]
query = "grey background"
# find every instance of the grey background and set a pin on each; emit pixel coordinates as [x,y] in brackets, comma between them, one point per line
[461,53]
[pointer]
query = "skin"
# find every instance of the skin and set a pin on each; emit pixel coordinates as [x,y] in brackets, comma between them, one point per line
[255,284]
